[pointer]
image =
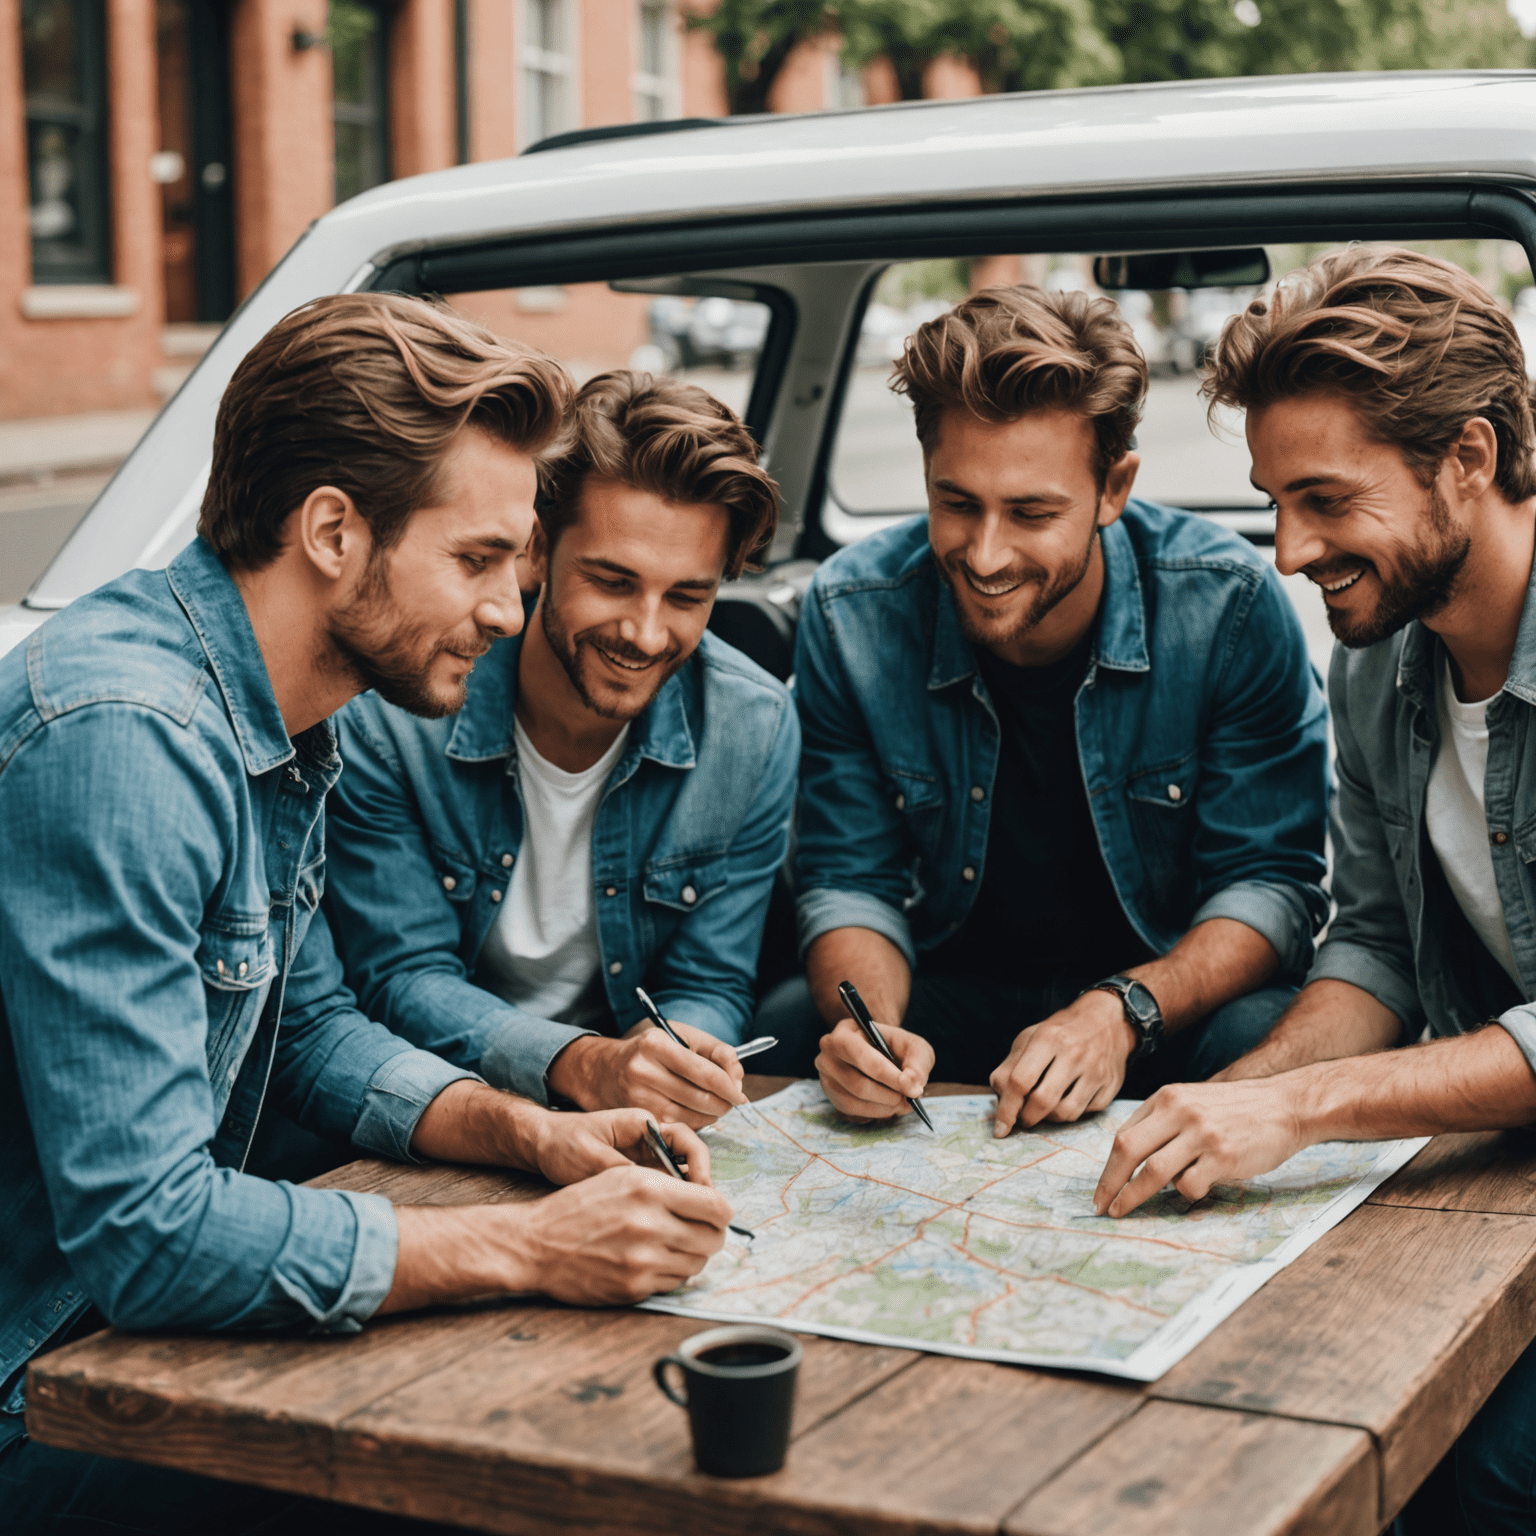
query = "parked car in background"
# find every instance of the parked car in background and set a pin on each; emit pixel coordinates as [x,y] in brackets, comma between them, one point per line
[766,253]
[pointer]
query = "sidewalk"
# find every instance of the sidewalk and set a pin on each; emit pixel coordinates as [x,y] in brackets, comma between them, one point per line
[40,449]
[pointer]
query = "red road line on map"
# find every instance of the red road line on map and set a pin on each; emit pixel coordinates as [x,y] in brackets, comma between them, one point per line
[977,1311]
[1109,1237]
[1075,1285]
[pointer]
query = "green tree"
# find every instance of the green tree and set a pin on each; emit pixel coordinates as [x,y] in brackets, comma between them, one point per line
[755,38]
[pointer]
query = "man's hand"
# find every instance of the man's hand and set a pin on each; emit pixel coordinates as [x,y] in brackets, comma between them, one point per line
[648,1071]
[1065,1066]
[615,1238]
[1195,1135]
[569,1148]
[861,1083]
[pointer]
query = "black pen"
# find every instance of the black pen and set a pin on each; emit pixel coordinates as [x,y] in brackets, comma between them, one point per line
[664,1157]
[855,1006]
[655,1017]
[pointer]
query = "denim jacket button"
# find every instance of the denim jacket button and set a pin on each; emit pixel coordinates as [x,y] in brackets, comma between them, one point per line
[610,890]
[506,861]
[978,794]
[1501,838]
[967,873]
[901,802]
[218,965]
[449,882]
[495,895]
[689,895]
[616,967]
[242,968]
[1174,792]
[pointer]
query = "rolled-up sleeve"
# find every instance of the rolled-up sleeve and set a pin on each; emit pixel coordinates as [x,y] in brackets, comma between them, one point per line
[116,824]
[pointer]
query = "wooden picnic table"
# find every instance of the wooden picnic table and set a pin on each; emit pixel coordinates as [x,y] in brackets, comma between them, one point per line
[1318,1407]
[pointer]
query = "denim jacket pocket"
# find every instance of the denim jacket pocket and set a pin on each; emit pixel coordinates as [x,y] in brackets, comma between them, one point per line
[455,875]
[235,954]
[1162,821]
[919,799]
[687,882]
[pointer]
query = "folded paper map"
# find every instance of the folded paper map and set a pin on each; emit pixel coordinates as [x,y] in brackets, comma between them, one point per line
[964,1245]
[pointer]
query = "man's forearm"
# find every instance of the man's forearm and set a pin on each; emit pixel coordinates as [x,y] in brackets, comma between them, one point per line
[1329,1020]
[471,1122]
[871,962]
[1214,962]
[1476,1082]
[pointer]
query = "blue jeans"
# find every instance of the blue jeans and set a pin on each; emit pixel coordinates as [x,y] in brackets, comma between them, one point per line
[971,1025]
[1486,1485]
[49,1492]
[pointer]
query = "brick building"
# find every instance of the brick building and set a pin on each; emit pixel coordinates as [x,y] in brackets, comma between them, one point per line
[158,156]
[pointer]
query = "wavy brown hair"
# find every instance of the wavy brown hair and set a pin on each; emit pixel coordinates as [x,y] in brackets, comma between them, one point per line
[365,392]
[1418,346]
[1008,350]
[674,440]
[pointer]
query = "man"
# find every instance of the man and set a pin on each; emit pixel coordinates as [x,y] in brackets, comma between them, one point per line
[609,809]
[1063,786]
[164,971]
[1388,416]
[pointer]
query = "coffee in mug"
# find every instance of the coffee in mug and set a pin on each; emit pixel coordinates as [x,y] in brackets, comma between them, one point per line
[740,1396]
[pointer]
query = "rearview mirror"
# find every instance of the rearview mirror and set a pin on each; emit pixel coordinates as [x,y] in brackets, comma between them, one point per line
[1183,269]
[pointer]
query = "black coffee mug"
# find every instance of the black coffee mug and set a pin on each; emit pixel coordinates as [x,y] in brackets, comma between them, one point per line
[741,1394]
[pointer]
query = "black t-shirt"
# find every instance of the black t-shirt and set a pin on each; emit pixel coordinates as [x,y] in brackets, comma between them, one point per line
[1046,907]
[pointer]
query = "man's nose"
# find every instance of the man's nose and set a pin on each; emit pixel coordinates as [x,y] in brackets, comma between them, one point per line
[1297,543]
[989,552]
[502,614]
[643,628]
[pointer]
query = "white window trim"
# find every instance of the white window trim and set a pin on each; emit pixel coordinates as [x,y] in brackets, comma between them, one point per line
[667,87]
[563,67]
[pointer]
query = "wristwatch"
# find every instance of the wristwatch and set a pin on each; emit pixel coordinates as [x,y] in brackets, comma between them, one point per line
[1141,1011]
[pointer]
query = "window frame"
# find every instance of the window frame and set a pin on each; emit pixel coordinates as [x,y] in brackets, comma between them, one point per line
[375,117]
[91,116]
[563,68]
[664,89]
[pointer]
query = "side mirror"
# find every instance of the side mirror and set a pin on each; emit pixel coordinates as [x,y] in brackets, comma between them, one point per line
[1158,270]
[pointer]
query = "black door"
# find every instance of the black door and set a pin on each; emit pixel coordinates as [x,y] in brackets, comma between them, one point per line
[193,46]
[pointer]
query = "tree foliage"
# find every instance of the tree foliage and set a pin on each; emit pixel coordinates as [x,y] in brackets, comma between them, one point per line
[1020,45]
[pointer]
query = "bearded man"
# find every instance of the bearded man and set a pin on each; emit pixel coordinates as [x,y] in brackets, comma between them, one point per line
[609,809]
[1064,778]
[1389,417]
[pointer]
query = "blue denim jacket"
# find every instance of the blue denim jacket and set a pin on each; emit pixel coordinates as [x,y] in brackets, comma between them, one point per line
[1398,935]
[1201,730]
[163,969]
[427,822]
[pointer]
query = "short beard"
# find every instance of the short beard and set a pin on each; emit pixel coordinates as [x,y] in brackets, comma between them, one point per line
[391,664]
[1051,592]
[1425,583]
[568,652]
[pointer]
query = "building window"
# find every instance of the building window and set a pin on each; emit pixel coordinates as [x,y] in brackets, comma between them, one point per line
[548,69]
[63,51]
[359,104]
[655,62]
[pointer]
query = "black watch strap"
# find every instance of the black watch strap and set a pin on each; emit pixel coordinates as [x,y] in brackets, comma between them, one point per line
[1141,1011]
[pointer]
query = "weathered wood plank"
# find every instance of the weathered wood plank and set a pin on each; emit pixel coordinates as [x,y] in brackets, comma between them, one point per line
[529,1436]
[540,1445]
[1491,1171]
[1399,1322]
[1177,1470]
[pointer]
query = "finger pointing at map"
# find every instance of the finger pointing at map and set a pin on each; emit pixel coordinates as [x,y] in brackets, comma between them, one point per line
[1194,1136]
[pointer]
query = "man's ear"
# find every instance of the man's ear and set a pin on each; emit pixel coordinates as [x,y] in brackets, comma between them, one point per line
[1474,459]
[331,533]
[1118,480]
[537,558]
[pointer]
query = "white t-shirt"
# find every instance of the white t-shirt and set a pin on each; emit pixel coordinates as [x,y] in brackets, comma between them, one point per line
[1458,823]
[542,955]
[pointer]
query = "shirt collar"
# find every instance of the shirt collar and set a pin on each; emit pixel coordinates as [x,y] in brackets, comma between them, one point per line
[483,730]
[1122,637]
[218,616]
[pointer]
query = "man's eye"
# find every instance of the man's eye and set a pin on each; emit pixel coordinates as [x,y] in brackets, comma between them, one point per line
[476,563]
[686,600]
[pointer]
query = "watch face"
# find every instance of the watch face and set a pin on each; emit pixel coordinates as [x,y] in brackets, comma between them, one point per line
[1139,1000]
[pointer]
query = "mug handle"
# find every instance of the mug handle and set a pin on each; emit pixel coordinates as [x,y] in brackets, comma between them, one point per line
[659,1371]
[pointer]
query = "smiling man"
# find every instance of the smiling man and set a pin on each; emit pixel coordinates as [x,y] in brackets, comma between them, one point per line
[1389,417]
[611,806]
[1064,776]
[166,976]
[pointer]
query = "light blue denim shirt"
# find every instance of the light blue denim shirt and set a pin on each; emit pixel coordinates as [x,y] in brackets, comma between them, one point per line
[163,971]
[1201,730]
[427,822]
[1398,934]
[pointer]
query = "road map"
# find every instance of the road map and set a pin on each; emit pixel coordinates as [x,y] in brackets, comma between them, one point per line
[964,1245]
